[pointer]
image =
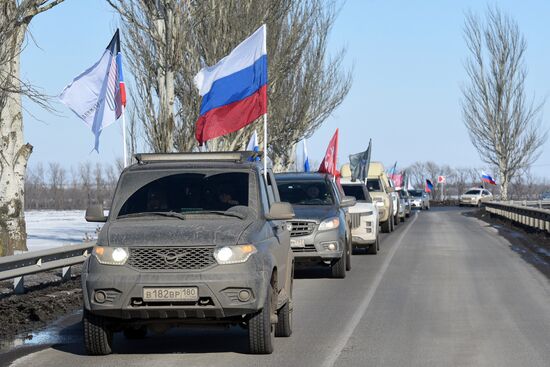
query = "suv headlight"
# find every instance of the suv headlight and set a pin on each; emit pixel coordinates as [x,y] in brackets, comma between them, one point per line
[111,255]
[234,254]
[378,201]
[329,223]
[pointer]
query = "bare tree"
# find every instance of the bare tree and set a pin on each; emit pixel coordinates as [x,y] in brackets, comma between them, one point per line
[15,17]
[504,126]
[305,85]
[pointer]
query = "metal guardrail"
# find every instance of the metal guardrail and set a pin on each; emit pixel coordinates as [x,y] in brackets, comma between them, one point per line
[16,267]
[535,218]
[541,204]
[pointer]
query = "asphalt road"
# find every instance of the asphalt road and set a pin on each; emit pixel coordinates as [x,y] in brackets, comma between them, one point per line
[446,290]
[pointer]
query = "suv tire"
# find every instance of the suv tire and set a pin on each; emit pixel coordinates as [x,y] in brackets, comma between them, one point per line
[260,329]
[348,256]
[338,268]
[386,226]
[374,247]
[98,337]
[284,323]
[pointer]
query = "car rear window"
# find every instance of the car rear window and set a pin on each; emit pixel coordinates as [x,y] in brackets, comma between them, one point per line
[373,184]
[189,192]
[354,190]
[305,192]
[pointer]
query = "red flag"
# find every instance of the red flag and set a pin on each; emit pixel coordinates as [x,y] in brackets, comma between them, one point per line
[328,165]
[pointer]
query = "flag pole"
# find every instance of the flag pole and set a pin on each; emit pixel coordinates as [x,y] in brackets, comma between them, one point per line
[124,136]
[265,147]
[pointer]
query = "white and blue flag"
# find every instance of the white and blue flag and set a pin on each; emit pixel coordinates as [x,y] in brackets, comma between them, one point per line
[253,145]
[305,158]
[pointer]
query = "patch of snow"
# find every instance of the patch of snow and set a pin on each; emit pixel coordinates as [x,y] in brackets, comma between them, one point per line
[54,228]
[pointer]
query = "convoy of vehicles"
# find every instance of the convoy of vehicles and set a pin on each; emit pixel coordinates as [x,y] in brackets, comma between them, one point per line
[214,238]
[475,197]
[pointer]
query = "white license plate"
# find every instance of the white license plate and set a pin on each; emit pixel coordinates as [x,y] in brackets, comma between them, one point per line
[171,294]
[297,243]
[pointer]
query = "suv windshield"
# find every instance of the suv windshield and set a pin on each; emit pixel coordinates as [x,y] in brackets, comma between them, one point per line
[306,192]
[473,192]
[373,184]
[354,190]
[416,193]
[189,192]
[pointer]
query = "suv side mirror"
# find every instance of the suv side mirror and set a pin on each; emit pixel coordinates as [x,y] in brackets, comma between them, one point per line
[348,201]
[390,189]
[94,213]
[280,211]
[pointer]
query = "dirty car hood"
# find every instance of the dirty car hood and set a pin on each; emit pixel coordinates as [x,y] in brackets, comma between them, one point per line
[318,212]
[173,232]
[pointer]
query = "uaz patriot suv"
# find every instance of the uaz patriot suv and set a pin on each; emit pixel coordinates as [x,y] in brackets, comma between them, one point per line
[320,233]
[197,238]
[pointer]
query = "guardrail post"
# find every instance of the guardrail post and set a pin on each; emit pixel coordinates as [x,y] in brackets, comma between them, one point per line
[18,285]
[66,273]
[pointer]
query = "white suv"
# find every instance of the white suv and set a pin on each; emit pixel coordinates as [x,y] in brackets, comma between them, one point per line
[364,216]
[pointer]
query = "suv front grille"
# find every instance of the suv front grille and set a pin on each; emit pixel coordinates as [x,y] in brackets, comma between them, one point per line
[302,228]
[171,258]
[355,220]
[306,248]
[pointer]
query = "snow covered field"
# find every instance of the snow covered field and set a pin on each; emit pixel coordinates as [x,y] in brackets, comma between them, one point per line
[53,228]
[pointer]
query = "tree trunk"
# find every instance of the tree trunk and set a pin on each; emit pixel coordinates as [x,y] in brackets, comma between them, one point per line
[14,155]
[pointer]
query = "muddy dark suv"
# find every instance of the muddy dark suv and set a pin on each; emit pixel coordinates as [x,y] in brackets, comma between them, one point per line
[198,238]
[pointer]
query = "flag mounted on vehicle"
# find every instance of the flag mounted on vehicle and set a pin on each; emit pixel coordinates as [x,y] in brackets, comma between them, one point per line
[234,91]
[328,165]
[98,95]
[305,157]
[359,164]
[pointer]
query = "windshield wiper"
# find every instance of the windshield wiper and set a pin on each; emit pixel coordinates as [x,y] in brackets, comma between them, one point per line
[219,212]
[147,214]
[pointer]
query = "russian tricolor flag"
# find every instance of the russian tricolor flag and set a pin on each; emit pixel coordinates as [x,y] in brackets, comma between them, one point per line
[485,177]
[234,91]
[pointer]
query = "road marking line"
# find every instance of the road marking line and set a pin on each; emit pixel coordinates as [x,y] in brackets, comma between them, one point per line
[358,315]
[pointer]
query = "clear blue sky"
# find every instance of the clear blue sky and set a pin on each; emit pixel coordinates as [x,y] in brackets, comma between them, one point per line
[408,68]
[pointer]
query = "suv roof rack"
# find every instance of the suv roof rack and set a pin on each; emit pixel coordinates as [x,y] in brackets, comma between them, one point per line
[240,156]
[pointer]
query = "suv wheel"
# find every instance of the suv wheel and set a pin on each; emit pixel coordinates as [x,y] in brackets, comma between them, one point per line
[98,337]
[338,268]
[374,247]
[260,329]
[348,256]
[284,322]
[386,226]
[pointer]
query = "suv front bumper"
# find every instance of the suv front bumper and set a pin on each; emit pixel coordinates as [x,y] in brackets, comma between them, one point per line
[316,246]
[218,290]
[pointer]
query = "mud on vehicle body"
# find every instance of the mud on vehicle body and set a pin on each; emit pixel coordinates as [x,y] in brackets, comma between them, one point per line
[198,238]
